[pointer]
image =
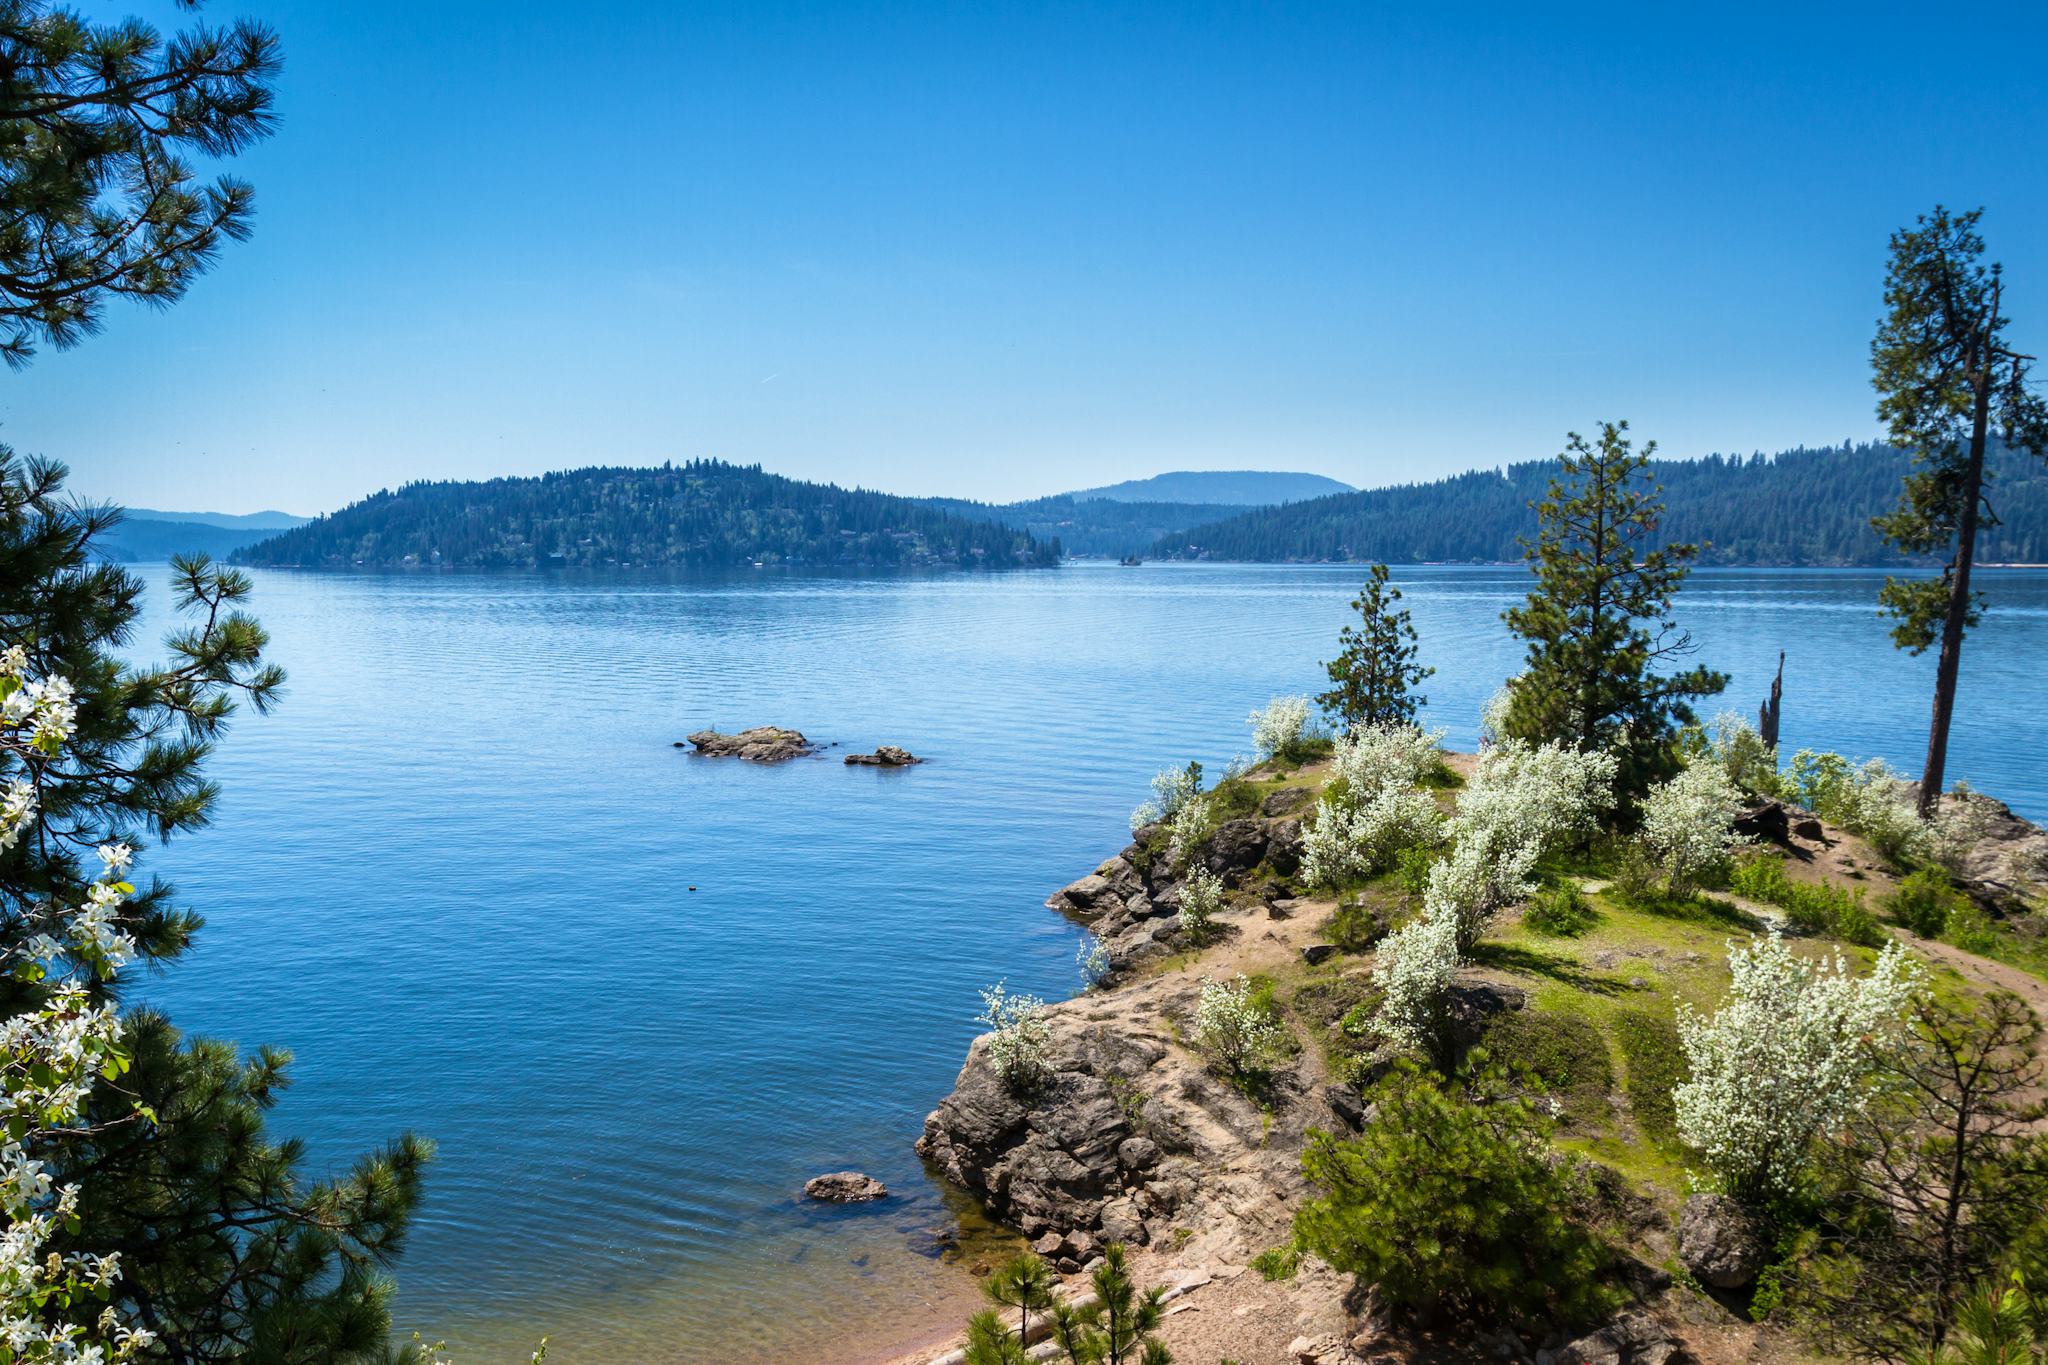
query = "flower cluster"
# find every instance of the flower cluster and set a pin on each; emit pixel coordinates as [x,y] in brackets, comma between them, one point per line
[1172,789]
[1414,970]
[1201,896]
[1091,955]
[1522,802]
[1281,726]
[1019,1035]
[1236,1027]
[1688,823]
[1372,809]
[50,1057]
[1786,1059]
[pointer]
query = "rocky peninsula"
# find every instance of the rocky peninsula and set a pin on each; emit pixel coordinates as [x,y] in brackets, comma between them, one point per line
[1135,1136]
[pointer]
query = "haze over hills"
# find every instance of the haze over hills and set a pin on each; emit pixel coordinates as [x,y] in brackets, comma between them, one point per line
[240,521]
[704,513]
[145,535]
[1225,487]
[1801,507]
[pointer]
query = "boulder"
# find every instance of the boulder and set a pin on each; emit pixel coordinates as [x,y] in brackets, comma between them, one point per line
[884,756]
[1286,801]
[1236,846]
[1721,1242]
[845,1187]
[1347,1104]
[1314,953]
[762,744]
[1637,1339]
[1091,895]
[1770,821]
[1473,1003]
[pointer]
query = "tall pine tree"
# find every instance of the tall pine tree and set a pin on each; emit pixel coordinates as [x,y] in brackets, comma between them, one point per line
[228,1252]
[1948,377]
[1372,677]
[1599,620]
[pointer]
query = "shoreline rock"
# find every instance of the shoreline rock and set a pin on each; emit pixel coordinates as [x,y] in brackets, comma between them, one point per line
[884,756]
[761,744]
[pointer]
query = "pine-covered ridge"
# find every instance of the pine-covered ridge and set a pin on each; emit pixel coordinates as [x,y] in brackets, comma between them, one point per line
[1806,506]
[704,513]
[1089,525]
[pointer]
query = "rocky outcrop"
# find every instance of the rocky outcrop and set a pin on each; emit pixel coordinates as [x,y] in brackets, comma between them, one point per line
[884,756]
[2007,868]
[1637,1339]
[1126,1137]
[845,1187]
[762,744]
[1721,1242]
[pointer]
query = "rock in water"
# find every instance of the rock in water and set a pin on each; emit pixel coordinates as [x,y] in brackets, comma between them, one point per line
[885,756]
[845,1187]
[762,744]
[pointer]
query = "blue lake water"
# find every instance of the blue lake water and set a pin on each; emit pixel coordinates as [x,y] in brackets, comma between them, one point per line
[452,872]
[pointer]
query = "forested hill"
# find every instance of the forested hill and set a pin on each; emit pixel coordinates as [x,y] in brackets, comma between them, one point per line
[701,513]
[1091,526]
[1227,487]
[1801,507]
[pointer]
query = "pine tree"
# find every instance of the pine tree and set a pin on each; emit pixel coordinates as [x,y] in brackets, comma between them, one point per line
[1375,667]
[1598,621]
[1947,376]
[227,1251]
[96,199]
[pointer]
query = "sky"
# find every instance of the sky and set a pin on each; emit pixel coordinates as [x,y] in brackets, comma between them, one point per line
[999,250]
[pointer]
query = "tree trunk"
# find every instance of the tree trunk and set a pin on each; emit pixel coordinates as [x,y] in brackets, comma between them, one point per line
[1950,664]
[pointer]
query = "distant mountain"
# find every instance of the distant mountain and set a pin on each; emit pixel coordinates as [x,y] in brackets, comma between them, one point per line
[251,521]
[1095,526]
[149,540]
[1227,488]
[702,513]
[1800,507]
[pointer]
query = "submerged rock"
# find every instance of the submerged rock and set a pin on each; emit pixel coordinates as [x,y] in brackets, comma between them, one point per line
[762,744]
[884,756]
[845,1187]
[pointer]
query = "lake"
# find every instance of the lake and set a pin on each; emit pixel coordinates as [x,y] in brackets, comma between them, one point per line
[639,997]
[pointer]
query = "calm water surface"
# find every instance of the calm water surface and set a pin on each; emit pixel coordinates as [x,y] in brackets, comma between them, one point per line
[453,873]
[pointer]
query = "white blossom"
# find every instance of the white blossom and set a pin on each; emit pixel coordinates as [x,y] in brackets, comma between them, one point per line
[1201,896]
[1235,1028]
[1786,1060]
[1091,955]
[1688,822]
[1018,1033]
[1374,811]
[1414,970]
[1281,725]
[1172,788]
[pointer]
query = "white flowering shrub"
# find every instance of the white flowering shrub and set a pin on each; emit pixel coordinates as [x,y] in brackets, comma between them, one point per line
[1172,789]
[50,1058]
[1235,1028]
[1493,717]
[1961,822]
[1522,803]
[1201,896]
[1189,829]
[1786,1060]
[1091,955]
[1019,1035]
[1282,726]
[1414,970]
[1876,801]
[1385,755]
[1688,823]
[1347,838]
[1374,811]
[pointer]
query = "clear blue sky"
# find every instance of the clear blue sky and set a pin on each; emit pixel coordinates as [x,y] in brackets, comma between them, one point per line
[997,250]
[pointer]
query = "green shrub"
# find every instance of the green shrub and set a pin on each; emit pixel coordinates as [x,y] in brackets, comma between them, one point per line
[1925,901]
[1411,868]
[1810,907]
[1971,930]
[1357,926]
[1655,1065]
[1560,910]
[1280,1263]
[1447,1204]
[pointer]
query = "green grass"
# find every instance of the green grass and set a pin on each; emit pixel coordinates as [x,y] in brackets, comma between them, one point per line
[1563,1050]
[1813,908]
[1279,1263]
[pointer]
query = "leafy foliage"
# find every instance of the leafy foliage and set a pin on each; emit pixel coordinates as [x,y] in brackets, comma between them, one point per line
[1810,907]
[1560,910]
[1454,1204]
[1688,824]
[1018,1035]
[1373,677]
[1598,622]
[703,513]
[1235,1023]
